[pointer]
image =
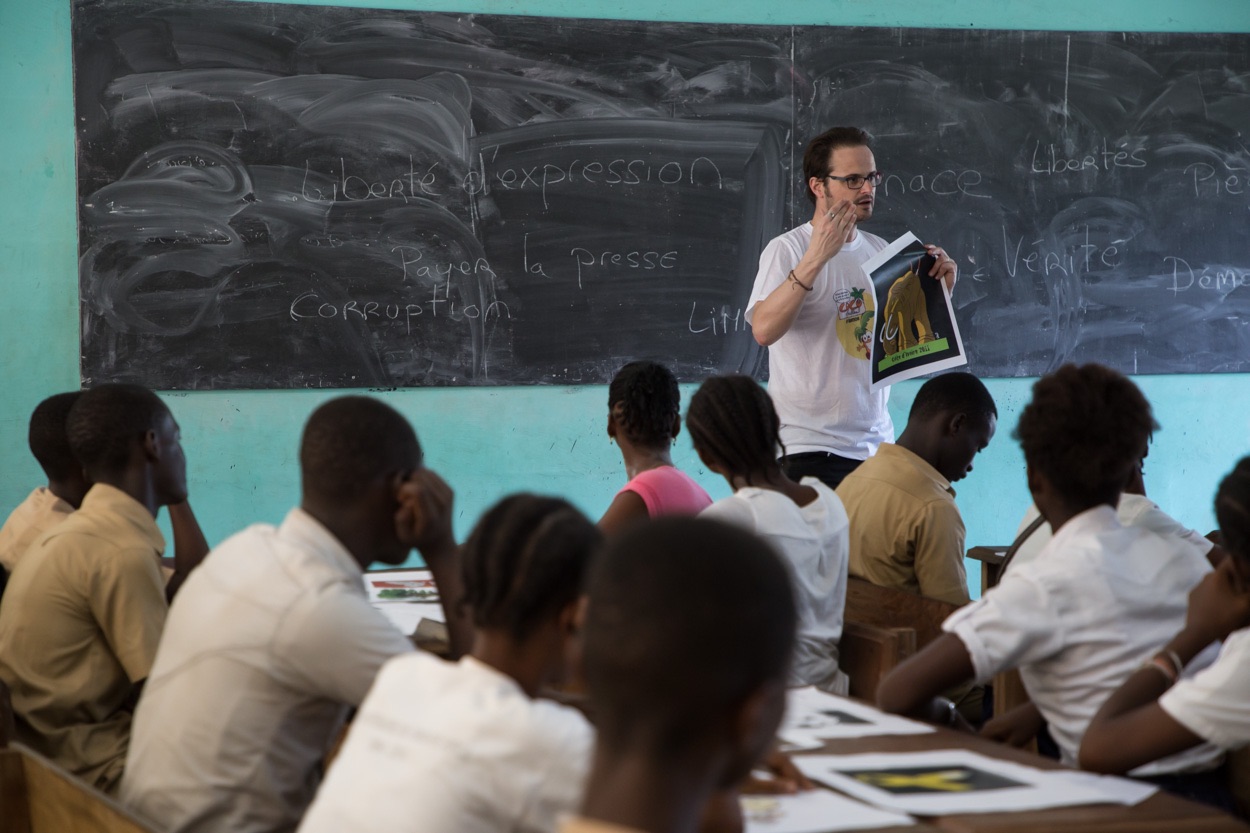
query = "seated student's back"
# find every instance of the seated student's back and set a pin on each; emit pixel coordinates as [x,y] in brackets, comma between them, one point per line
[643,420]
[467,747]
[906,531]
[85,607]
[272,640]
[736,432]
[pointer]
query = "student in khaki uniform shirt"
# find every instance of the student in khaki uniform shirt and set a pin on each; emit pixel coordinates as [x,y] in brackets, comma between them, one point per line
[46,506]
[906,531]
[85,607]
[686,700]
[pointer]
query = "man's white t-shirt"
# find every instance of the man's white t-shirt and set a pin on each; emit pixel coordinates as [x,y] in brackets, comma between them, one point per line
[1134,510]
[819,373]
[1215,703]
[814,541]
[454,747]
[1099,601]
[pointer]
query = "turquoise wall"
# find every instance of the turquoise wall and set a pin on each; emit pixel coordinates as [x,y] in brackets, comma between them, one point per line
[241,447]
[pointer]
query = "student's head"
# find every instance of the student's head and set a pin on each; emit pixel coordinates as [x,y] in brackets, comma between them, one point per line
[687,640]
[118,430]
[734,426]
[644,405]
[1232,512]
[955,418]
[839,151]
[355,454]
[524,566]
[1083,433]
[49,442]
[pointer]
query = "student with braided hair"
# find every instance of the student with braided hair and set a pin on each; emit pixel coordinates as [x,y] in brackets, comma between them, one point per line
[735,430]
[644,419]
[1156,713]
[466,747]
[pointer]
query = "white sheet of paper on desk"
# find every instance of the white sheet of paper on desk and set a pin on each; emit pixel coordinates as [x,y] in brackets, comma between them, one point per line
[814,811]
[1118,790]
[812,716]
[405,597]
[947,781]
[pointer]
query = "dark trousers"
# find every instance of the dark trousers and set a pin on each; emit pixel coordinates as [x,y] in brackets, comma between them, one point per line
[825,466]
[1210,787]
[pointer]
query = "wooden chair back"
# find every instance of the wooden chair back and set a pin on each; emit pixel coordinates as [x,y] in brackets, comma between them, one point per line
[39,797]
[886,607]
[867,653]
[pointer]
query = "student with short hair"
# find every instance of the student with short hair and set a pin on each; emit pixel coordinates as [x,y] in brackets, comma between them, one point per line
[273,639]
[86,604]
[906,531]
[687,688]
[47,505]
[467,746]
[736,432]
[1158,711]
[1098,601]
[644,419]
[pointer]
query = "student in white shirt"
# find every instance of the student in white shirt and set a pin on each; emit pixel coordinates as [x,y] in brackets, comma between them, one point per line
[1157,711]
[468,747]
[1098,601]
[272,640]
[735,430]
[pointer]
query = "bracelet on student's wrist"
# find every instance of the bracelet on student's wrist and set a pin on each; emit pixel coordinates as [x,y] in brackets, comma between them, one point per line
[792,277]
[1164,666]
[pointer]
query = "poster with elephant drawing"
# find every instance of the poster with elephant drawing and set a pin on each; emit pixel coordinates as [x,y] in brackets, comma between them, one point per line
[914,331]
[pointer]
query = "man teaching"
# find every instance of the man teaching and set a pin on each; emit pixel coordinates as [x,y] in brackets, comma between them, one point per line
[812,306]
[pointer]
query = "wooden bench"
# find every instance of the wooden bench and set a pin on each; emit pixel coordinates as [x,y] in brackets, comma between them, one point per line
[39,797]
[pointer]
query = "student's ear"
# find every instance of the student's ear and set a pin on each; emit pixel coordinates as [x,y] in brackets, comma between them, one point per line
[752,729]
[611,426]
[956,423]
[151,446]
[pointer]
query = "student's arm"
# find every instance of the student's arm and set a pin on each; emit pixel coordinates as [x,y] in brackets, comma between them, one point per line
[1016,623]
[774,314]
[424,521]
[913,687]
[627,509]
[939,554]
[1015,728]
[190,546]
[1131,728]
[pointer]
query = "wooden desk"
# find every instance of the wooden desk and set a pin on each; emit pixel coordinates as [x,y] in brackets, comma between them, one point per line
[1161,813]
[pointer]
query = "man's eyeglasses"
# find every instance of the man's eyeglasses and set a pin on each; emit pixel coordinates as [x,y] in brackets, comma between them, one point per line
[856,181]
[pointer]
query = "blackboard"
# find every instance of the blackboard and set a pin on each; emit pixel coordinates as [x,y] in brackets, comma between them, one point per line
[291,196]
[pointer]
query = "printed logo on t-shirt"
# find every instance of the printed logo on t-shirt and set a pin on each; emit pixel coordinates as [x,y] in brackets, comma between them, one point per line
[854,324]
